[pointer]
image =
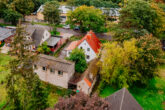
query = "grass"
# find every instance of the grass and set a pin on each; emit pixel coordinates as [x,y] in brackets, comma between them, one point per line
[4,60]
[74,38]
[2,25]
[150,98]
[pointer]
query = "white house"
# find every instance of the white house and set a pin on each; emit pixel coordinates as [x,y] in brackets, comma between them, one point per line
[90,44]
[37,35]
[53,70]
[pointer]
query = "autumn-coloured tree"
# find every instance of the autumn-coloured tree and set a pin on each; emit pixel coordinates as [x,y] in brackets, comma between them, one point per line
[82,102]
[116,64]
[149,57]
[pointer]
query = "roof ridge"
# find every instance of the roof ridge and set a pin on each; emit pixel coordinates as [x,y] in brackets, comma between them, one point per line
[122,98]
[56,59]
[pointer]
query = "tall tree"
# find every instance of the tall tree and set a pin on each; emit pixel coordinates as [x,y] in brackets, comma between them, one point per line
[25,7]
[21,82]
[116,64]
[82,102]
[89,18]
[11,16]
[138,15]
[51,12]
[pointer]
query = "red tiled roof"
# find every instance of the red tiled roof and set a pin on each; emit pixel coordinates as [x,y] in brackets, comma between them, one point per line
[88,82]
[91,39]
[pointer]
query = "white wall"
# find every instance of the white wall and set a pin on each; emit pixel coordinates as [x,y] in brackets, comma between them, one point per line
[83,86]
[45,36]
[85,46]
[54,78]
[91,53]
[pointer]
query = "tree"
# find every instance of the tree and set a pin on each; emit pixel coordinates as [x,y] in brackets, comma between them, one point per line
[3,6]
[25,7]
[138,15]
[133,62]
[78,56]
[89,18]
[21,83]
[149,57]
[82,102]
[11,16]
[116,67]
[51,12]
[44,48]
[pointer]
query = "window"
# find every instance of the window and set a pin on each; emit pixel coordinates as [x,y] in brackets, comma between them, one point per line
[44,68]
[52,70]
[60,73]
[88,57]
[35,66]
[88,49]
[81,48]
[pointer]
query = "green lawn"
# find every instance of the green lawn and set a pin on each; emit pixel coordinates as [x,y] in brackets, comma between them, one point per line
[4,60]
[150,98]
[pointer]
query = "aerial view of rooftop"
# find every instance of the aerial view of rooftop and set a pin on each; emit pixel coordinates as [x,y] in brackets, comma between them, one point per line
[82,54]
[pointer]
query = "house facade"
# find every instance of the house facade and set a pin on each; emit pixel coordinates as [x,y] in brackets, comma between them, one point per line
[90,44]
[54,70]
[37,35]
[63,13]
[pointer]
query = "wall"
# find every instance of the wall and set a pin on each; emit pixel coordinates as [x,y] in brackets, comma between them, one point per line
[91,53]
[53,78]
[40,16]
[45,36]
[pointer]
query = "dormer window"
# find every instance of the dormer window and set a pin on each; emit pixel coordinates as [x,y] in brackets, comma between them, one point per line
[88,49]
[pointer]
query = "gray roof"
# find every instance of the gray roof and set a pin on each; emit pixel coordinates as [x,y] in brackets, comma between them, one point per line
[123,100]
[36,33]
[55,63]
[5,33]
[52,41]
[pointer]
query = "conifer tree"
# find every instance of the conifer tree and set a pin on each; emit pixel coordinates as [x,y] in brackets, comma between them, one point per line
[21,83]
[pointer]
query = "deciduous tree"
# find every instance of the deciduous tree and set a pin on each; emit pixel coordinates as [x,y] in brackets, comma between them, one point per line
[82,102]
[51,12]
[89,18]
[78,56]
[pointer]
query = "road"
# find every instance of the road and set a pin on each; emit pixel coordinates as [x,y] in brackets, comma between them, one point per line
[76,33]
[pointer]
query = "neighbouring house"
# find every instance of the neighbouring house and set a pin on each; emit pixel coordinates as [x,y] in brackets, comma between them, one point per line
[53,70]
[112,12]
[123,100]
[55,42]
[90,44]
[63,13]
[6,35]
[86,81]
[37,35]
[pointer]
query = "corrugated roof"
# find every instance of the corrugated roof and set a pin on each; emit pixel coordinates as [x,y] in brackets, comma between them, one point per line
[123,100]
[5,33]
[55,63]
[52,41]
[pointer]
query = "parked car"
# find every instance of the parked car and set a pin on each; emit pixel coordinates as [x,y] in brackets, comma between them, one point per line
[66,26]
[77,28]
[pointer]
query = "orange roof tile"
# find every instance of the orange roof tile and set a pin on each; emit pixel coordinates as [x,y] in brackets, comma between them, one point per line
[88,82]
[91,39]
[73,45]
